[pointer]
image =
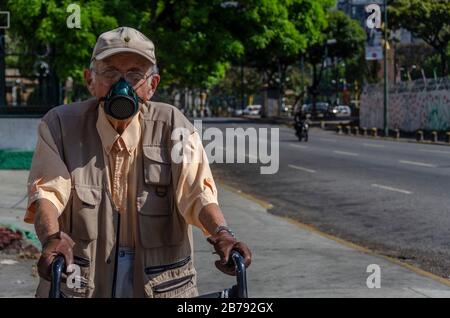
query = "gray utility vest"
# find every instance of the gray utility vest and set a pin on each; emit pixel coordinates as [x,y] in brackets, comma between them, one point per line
[163,256]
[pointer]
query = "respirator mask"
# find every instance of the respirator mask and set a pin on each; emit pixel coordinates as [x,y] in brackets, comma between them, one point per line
[121,102]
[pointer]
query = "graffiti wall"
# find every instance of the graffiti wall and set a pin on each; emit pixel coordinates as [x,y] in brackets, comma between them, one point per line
[412,106]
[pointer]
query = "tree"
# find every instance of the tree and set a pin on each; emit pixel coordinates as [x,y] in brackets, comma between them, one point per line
[210,36]
[191,47]
[347,43]
[280,32]
[42,38]
[427,20]
[194,45]
[196,41]
[41,27]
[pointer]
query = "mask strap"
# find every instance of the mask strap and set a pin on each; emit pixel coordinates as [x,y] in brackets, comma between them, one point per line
[149,76]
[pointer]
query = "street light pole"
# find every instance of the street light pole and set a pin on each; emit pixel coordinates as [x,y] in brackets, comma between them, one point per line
[242,86]
[386,90]
[2,68]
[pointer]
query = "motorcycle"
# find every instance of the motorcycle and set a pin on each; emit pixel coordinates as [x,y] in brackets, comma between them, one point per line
[301,130]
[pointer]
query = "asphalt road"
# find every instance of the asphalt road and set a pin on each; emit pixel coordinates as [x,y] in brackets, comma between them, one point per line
[391,197]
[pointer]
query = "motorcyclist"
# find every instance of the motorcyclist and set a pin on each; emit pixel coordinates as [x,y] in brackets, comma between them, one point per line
[300,119]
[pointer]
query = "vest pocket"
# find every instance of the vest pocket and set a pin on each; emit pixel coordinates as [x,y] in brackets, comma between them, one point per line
[157,168]
[85,209]
[79,284]
[159,225]
[157,196]
[175,282]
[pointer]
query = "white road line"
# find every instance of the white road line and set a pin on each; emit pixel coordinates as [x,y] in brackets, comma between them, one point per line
[417,163]
[374,145]
[436,151]
[298,146]
[345,153]
[302,169]
[391,188]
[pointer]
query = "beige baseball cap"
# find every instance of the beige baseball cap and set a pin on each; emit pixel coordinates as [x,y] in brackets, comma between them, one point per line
[124,39]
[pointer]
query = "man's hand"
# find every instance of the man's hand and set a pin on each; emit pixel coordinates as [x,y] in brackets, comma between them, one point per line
[53,241]
[56,244]
[224,243]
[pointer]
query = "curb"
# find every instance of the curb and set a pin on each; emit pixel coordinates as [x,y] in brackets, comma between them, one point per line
[404,140]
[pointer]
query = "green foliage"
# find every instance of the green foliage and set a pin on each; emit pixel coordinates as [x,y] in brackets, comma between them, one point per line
[197,41]
[425,19]
[349,36]
[283,30]
[41,24]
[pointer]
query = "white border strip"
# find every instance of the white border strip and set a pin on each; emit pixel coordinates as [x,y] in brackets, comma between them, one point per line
[391,188]
[301,168]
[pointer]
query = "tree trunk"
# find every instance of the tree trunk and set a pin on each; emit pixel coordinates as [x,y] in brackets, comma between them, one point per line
[314,90]
[444,63]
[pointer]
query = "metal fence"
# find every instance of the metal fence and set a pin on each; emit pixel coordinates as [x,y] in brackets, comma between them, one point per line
[412,86]
[414,105]
[34,96]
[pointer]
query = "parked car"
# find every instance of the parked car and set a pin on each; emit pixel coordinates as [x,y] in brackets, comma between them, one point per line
[237,112]
[342,111]
[322,109]
[252,110]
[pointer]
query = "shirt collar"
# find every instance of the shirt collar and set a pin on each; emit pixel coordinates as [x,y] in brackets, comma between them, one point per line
[109,136]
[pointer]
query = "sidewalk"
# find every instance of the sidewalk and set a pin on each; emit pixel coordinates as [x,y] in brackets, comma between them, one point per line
[18,279]
[289,261]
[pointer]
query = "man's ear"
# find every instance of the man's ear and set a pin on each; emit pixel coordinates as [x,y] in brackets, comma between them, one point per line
[89,81]
[150,91]
[155,81]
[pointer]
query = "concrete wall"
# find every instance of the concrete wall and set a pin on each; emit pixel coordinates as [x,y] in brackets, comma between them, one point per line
[18,133]
[409,110]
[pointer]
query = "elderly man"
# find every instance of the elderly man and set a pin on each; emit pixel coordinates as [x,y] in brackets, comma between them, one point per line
[105,192]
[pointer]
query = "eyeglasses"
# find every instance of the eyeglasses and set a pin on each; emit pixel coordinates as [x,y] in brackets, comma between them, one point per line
[132,77]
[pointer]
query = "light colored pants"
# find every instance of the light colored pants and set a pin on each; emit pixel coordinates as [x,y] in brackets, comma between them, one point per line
[124,279]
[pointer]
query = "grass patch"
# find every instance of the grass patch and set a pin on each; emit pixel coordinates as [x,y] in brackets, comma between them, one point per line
[11,159]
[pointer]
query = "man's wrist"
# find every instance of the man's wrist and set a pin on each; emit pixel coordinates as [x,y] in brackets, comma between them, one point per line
[51,237]
[225,228]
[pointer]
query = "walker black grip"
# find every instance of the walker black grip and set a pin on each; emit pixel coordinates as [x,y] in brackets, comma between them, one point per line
[239,290]
[55,283]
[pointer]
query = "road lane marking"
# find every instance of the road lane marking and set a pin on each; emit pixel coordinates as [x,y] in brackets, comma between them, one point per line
[390,188]
[436,151]
[345,153]
[415,163]
[302,169]
[298,146]
[374,145]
